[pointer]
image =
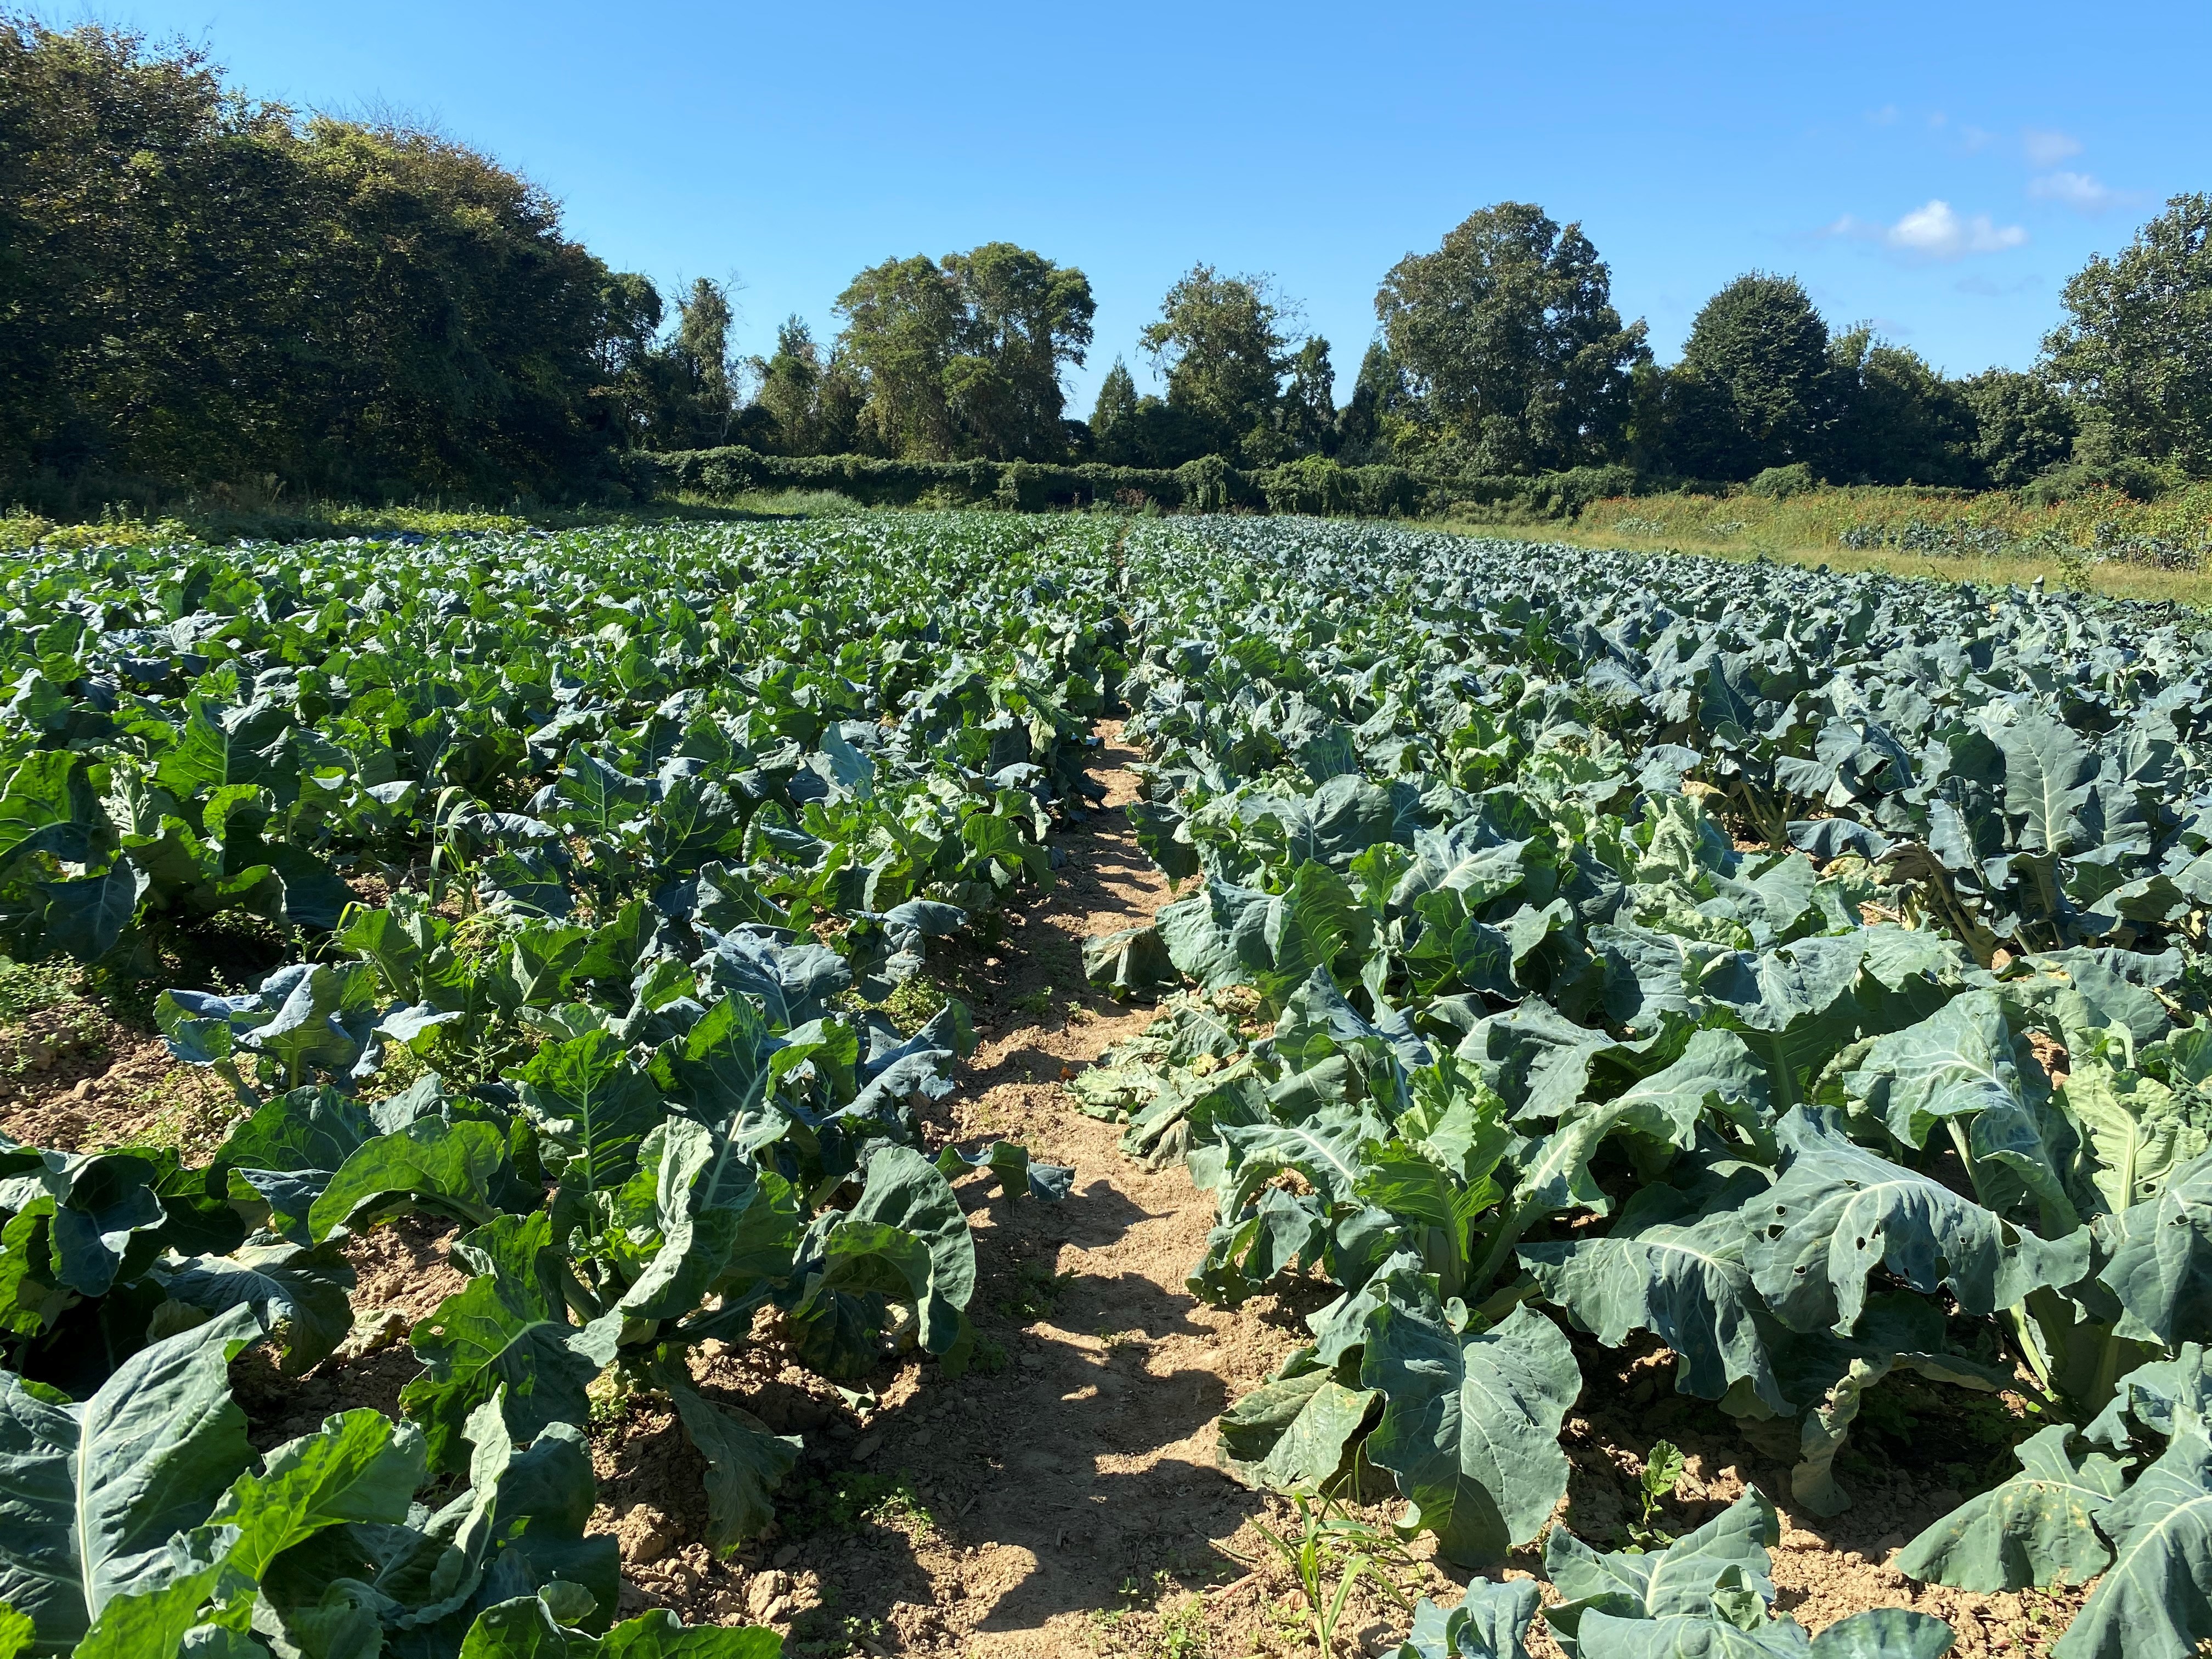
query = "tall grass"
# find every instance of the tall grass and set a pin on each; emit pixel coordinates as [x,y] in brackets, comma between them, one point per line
[1838,518]
[2100,541]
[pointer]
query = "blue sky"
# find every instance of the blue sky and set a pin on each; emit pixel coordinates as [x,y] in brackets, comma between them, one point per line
[1937,169]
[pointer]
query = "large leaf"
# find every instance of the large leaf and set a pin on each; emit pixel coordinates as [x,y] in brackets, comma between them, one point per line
[1666,1268]
[791,983]
[1958,1061]
[2162,1262]
[1838,1212]
[1676,1582]
[1491,1622]
[360,1468]
[2140,1129]
[518,1528]
[2040,1527]
[906,1238]
[1217,936]
[506,1329]
[594,1106]
[94,1491]
[1715,1074]
[1294,1433]
[299,1294]
[2049,774]
[447,1167]
[2155,1600]
[745,1462]
[100,1201]
[1470,1424]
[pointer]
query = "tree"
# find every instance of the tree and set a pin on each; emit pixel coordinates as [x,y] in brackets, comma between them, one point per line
[1305,415]
[633,392]
[901,319]
[2136,350]
[1898,421]
[699,398]
[1756,386]
[1114,417]
[812,404]
[2021,427]
[1222,342]
[201,289]
[1514,356]
[790,383]
[1364,425]
[963,356]
[1022,318]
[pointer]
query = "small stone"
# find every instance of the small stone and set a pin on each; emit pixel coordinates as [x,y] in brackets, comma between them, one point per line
[645,1535]
[83,1090]
[867,1447]
[787,1555]
[918,1437]
[1034,1362]
[766,1592]
[776,1611]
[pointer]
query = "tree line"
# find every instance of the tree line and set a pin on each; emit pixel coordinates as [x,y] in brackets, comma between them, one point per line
[208,291]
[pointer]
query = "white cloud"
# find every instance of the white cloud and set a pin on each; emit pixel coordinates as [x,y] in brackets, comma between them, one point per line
[1884,117]
[2046,148]
[2081,191]
[1938,232]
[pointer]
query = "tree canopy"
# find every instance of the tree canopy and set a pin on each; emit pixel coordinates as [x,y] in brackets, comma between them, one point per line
[1514,356]
[1756,386]
[2135,349]
[962,356]
[1225,344]
[206,289]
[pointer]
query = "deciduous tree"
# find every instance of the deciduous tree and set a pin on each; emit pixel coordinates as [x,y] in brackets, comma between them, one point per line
[1514,355]
[2136,349]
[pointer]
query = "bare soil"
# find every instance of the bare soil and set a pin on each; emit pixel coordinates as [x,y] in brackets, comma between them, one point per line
[74,1078]
[1062,1497]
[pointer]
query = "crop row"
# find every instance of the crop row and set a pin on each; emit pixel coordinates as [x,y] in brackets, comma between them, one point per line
[563,888]
[1804,971]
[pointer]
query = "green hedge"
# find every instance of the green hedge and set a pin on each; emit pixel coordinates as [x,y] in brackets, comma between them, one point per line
[1209,484]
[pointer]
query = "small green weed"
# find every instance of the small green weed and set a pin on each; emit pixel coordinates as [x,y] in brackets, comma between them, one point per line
[1341,1546]
[1037,1290]
[1662,1474]
[846,1500]
[27,986]
[1183,1634]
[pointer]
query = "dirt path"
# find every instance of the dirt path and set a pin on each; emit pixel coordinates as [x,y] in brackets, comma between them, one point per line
[1078,1479]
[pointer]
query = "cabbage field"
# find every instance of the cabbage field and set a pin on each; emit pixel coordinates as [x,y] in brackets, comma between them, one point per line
[1573,953]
